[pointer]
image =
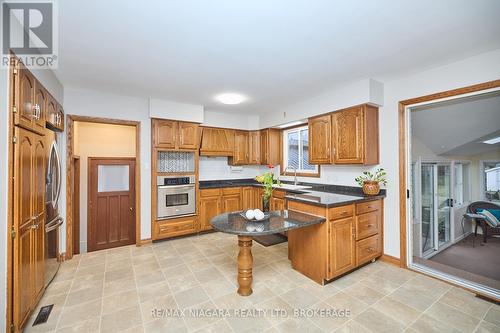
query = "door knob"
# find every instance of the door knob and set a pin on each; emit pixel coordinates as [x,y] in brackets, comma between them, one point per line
[131,209]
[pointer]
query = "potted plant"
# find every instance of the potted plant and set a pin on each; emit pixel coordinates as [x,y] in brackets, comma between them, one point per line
[267,179]
[370,182]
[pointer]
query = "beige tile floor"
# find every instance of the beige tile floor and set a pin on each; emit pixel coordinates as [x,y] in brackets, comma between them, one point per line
[117,291]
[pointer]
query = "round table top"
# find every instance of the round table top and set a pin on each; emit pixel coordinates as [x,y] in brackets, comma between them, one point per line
[278,221]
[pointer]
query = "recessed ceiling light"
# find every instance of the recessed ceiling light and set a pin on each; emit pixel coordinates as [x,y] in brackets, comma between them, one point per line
[230,98]
[293,123]
[492,141]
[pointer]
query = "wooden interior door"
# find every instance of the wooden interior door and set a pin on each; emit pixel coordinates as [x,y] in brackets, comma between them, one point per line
[342,247]
[23,222]
[320,129]
[76,204]
[111,209]
[39,166]
[348,134]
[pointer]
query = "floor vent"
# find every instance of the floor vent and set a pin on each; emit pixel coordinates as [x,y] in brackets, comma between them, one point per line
[43,314]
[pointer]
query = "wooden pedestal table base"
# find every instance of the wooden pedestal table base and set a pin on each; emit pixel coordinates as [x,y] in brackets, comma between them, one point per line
[245,263]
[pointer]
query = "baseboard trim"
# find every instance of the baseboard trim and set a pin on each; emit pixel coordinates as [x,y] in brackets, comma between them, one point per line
[145,242]
[390,259]
[61,257]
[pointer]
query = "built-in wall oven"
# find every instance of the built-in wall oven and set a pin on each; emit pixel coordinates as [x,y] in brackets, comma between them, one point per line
[176,196]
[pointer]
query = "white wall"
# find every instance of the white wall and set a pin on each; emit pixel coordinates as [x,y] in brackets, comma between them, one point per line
[231,120]
[163,109]
[474,70]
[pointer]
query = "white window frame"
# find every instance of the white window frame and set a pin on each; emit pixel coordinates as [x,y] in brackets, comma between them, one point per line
[302,172]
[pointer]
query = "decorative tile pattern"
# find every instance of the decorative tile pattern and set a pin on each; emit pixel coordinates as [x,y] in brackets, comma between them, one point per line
[120,290]
[175,161]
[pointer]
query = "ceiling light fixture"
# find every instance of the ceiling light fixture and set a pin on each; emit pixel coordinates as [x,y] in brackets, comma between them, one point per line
[230,98]
[293,123]
[492,141]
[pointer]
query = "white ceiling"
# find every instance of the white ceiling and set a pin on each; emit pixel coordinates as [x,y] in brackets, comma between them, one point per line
[459,127]
[275,52]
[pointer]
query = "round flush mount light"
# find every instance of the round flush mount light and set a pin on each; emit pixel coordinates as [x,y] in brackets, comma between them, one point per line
[230,98]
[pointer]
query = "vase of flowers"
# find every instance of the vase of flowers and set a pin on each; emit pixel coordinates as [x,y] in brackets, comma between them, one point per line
[267,180]
[370,182]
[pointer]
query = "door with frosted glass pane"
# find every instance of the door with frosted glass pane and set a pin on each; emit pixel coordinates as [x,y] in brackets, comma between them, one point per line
[111,210]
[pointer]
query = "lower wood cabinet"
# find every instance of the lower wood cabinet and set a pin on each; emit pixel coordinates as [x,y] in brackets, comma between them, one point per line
[210,206]
[277,200]
[231,199]
[30,153]
[175,227]
[342,247]
[352,236]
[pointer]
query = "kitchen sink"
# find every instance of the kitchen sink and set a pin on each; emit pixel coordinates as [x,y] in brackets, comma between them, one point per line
[292,187]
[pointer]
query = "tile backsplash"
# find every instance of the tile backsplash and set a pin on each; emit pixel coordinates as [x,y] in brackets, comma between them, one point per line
[215,168]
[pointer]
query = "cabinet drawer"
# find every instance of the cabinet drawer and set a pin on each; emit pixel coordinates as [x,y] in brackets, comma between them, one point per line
[367,249]
[336,213]
[231,190]
[279,194]
[176,227]
[367,224]
[368,206]
[211,192]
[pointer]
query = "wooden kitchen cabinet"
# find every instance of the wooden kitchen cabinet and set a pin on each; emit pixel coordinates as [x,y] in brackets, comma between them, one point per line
[28,227]
[171,134]
[231,199]
[188,135]
[254,147]
[41,97]
[175,227]
[241,149]
[277,201]
[342,247]
[248,198]
[270,146]
[355,135]
[217,142]
[165,133]
[54,115]
[320,139]
[351,237]
[210,206]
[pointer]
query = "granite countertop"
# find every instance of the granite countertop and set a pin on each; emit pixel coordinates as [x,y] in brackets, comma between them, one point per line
[278,221]
[318,194]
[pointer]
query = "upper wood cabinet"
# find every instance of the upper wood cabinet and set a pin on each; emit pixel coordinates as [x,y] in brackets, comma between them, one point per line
[355,135]
[27,113]
[217,142]
[320,140]
[246,148]
[188,135]
[241,148]
[55,115]
[254,147]
[171,134]
[41,97]
[270,146]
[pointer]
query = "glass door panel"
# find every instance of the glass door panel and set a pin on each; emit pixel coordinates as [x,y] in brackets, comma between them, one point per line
[427,208]
[443,204]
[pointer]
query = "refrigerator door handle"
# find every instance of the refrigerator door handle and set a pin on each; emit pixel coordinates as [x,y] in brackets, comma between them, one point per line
[59,178]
